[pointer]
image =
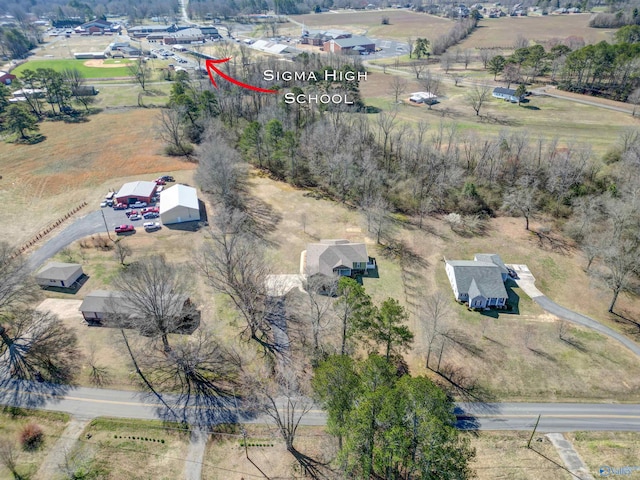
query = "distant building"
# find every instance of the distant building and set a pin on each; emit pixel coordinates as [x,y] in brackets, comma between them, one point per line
[338,257]
[508,94]
[6,78]
[351,45]
[144,30]
[187,35]
[59,274]
[98,27]
[319,37]
[427,98]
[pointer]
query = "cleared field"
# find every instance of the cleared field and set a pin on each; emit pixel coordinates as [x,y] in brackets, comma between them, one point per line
[570,122]
[80,65]
[12,420]
[76,163]
[63,47]
[614,449]
[505,455]
[225,456]
[403,23]
[142,449]
[503,32]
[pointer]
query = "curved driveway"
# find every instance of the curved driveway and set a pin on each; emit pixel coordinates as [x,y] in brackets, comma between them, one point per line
[526,282]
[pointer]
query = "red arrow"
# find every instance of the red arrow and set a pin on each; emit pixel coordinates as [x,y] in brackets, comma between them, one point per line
[211,67]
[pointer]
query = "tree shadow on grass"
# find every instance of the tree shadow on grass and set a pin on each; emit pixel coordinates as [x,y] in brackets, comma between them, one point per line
[530,107]
[573,475]
[32,140]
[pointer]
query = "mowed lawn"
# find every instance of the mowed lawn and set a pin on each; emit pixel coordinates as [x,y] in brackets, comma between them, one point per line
[42,182]
[64,64]
[503,32]
[402,23]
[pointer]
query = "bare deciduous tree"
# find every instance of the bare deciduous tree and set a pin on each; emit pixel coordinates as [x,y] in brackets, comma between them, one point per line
[435,313]
[172,132]
[233,264]
[9,453]
[477,96]
[522,200]
[140,70]
[121,250]
[157,294]
[398,87]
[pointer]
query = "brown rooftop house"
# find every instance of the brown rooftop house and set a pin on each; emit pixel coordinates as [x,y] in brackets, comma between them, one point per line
[338,257]
[59,274]
[112,309]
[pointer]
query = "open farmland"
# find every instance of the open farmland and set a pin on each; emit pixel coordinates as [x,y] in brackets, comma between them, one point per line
[110,70]
[550,118]
[44,181]
[503,32]
[403,23]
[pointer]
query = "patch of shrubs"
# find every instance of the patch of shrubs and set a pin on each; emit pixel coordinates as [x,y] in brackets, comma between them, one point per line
[31,437]
[143,439]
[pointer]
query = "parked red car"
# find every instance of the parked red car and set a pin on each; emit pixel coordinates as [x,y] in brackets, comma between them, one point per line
[150,209]
[125,229]
[160,182]
[119,206]
[129,213]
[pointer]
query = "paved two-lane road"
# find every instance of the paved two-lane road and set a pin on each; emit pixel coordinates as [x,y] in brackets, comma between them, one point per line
[556,417]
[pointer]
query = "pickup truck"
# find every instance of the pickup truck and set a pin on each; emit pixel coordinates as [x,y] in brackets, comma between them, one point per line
[125,229]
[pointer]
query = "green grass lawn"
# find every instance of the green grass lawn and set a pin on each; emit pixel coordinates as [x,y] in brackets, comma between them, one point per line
[60,65]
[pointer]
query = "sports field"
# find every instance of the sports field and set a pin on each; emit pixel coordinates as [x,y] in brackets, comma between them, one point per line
[96,71]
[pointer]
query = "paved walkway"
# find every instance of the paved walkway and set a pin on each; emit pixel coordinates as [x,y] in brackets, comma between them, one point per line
[526,282]
[195,455]
[50,466]
[569,456]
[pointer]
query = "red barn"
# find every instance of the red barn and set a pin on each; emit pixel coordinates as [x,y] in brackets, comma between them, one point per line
[133,192]
[6,78]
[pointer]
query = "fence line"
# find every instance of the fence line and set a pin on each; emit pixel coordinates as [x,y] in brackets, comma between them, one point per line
[46,230]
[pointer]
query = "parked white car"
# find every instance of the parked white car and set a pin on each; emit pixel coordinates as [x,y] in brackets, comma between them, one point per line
[151,226]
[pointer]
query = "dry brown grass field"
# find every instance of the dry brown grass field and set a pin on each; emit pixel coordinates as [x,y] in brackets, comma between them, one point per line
[503,32]
[402,23]
[11,423]
[615,449]
[139,458]
[76,163]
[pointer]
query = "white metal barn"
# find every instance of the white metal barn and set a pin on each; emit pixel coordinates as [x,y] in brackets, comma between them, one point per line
[179,204]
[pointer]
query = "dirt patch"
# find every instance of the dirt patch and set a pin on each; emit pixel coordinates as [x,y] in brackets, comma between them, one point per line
[98,63]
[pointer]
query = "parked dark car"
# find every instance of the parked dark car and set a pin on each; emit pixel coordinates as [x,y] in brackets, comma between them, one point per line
[167,178]
[151,215]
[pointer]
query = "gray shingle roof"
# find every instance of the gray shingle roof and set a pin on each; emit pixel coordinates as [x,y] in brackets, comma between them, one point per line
[60,271]
[105,301]
[323,257]
[492,258]
[504,91]
[478,277]
[353,41]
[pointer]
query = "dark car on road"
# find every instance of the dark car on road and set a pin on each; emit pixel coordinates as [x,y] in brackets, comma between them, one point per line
[125,229]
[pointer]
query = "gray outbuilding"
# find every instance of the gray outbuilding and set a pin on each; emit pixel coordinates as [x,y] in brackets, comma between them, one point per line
[59,274]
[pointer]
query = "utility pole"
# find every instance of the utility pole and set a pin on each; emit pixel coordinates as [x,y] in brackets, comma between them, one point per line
[105,224]
[534,431]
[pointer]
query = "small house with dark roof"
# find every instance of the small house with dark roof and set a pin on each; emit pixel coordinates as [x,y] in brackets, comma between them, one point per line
[338,257]
[479,284]
[508,94]
[113,309]
[59,274]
